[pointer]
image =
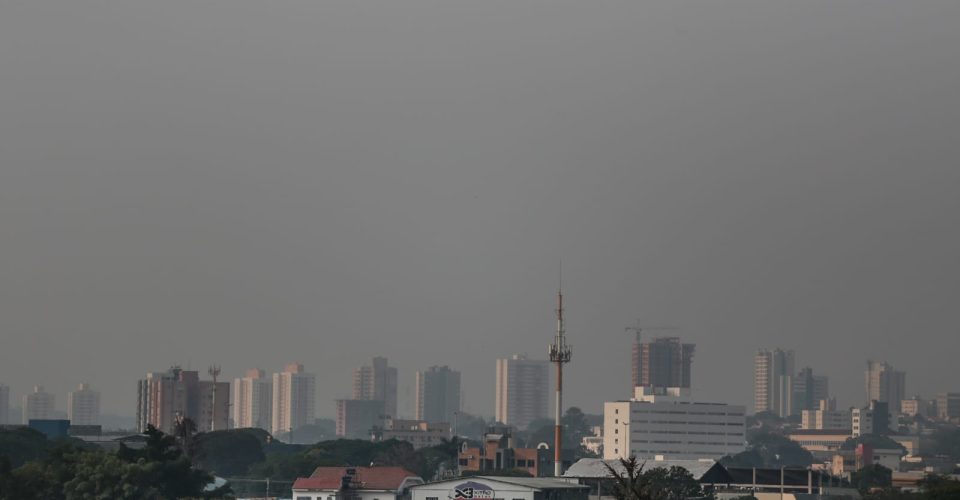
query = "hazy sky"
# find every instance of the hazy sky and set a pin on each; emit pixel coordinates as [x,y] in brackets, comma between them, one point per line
[249,183]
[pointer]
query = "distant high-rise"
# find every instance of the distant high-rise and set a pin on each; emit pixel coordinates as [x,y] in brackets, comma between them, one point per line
[253,401]
[662,362]
[37,405]
[438,394]
[294,399]
[377,382]
[948,405]
[522,390]
[885,384]
[356,418]
[4,404]
[83,406]
[808,390]
[773,387]
[163,396]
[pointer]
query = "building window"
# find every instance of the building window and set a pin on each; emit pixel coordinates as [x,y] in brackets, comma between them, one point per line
[432,498]
[304,498]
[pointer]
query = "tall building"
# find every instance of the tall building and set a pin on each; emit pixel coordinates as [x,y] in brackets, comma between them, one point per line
[438,394]
[948,405]
[773,382]
[253,401]
[825,417]
[294,399]
[377,382]
[358,418]
[83,406]
[885,384]
[873,419]
[667,423]
[808,390]
[163,396]
[37,405]
[522,390]
[662,362]
[4,404]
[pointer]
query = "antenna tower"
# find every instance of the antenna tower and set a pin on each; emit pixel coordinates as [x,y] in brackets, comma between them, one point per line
[560,353]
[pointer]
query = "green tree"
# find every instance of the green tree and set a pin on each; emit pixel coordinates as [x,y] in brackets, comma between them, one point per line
[101,475]
[229,453]
[871,477]
[767,449]
[675,483]
[630,483]
[936,487]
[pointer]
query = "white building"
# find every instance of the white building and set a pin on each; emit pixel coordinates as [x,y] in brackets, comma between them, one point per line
[498,487]
[523,390]
[672,426]
[294,399]
[252,401]
[825,417]
[83,406]
[37,405]
[356,483]
[4,404]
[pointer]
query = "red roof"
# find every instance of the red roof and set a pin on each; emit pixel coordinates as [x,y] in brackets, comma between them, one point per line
[366,478]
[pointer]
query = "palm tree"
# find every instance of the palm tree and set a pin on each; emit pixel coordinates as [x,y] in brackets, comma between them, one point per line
[631,483]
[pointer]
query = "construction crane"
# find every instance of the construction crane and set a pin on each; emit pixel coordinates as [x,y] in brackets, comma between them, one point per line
[640,328]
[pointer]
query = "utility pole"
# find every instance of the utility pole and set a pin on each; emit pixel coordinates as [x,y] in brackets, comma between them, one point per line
[214,371]
[560,353]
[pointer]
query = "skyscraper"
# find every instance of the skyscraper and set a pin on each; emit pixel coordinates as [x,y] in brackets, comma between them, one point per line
[4,404]
[162,396]
[885,384]
[83,406]
[808,390]
[773,382]
[253,401]
[294,399]
[662,362]
[522,390]
[377,382]
[37,405]
[438,394]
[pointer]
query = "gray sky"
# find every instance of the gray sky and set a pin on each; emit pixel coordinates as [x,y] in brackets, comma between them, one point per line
[249,183]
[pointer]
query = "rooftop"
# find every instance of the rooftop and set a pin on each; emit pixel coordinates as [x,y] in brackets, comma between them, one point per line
[365,478]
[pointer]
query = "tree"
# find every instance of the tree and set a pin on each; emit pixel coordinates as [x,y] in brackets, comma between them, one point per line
[229,453]
[630,483]
[936,487]
[675,483]
[767,449]
[872,477]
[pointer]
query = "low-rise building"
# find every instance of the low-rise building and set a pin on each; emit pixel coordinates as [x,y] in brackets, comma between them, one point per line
[822,443]
[500,487]
[419,433]
[356,483]
[497,453]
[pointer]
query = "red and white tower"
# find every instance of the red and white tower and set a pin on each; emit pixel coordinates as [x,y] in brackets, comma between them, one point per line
[560,353]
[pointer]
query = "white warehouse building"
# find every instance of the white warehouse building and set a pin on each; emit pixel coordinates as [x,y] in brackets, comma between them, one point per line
[670,425]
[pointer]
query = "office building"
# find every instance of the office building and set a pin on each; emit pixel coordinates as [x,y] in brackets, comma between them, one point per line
[419,433]
[808,390]
[438,394]
[4,404]
[83,406]
[825,417]
[359,418]
[253,401]
[872,419]
[667,423]
[885,384]
[913,407]
[377,382]
[162,397]
[662,362]
[773,382]
[38,405]
[294,399]
[948,405]
[522,391]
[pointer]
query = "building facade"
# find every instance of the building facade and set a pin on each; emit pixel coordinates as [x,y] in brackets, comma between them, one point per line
[419,433]
[356,483]
[826,416]
[773,390]
[38,405]
[662,362]
[672,426]
[253,401]
[885,384]
[83,406]
[948,405]
[438,394]
[522,390]
[359,418]
[163,396]
[377,382]
[294,399]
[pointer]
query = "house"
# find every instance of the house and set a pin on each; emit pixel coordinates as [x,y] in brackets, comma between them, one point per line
[356,483]
[501,487]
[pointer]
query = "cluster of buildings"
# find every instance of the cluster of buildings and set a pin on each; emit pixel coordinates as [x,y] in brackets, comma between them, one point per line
[83,405]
